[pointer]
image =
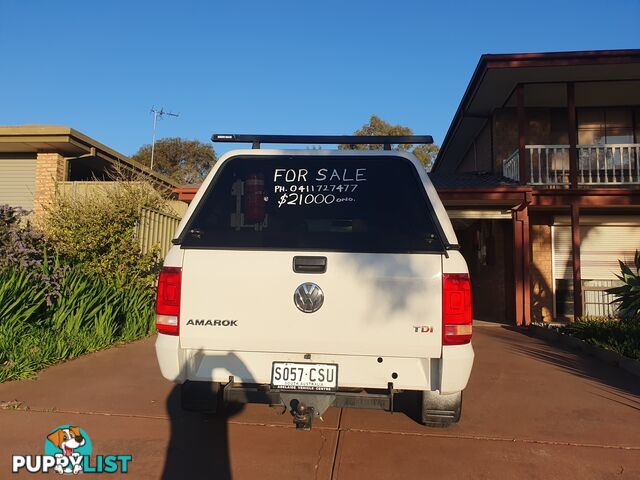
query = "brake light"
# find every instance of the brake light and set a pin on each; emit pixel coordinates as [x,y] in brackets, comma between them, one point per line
[457,311]
[168,301]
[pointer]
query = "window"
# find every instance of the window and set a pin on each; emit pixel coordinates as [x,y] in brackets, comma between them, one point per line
[598,126]
[358,204]
[558,126]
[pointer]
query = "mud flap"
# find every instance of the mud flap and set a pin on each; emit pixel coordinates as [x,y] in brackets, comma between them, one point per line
[441,410]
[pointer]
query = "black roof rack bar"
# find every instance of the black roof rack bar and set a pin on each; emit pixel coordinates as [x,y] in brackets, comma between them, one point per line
[386,140]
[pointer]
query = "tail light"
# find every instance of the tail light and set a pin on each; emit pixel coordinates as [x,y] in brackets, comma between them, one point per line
[168,301]
[457,311]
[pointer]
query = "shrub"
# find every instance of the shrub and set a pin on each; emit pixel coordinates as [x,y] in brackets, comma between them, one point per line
[23,246]
[79,285]
[20,243]
[91,313]
[22,304]
[98,229]
[627,296]
[619,336]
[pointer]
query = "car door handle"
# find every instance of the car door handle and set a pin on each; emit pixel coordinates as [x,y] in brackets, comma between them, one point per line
[309,264]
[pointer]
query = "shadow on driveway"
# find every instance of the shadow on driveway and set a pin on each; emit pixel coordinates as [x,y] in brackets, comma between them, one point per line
[624,387]
[199,443]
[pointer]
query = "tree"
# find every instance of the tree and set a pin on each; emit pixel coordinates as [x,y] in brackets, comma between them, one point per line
[426,154]
[377,126]
[186,161]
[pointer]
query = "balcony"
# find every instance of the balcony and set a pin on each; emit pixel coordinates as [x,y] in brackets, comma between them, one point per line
[610,165]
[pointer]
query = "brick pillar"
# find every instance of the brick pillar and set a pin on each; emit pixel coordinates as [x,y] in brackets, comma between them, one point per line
[541,274]
[50,168]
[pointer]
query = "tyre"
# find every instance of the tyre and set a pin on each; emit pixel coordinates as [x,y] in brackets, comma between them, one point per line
[200,396]
[441,410]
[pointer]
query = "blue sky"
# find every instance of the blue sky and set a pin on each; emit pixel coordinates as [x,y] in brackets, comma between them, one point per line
[271,66]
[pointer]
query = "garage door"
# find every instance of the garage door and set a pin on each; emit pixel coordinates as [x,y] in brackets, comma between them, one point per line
[17,182]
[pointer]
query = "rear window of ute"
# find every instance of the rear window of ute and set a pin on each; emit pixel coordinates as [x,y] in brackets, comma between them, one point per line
[353,204]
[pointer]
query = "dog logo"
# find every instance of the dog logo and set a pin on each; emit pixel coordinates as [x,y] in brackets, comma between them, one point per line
[67,450]
[71,442]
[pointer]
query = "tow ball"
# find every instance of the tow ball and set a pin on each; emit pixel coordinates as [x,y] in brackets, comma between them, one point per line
[306,407]
[302,415]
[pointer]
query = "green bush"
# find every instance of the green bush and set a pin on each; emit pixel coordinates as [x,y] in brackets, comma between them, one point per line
[92,312]
[628,295]
[20,243]
[97,229]
[79,285]
[620,336]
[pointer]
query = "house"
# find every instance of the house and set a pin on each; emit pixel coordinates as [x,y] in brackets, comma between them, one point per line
[38,162]
[540,173]
[35,159]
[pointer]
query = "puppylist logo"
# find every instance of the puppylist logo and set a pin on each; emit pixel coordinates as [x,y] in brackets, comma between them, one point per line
[67,450]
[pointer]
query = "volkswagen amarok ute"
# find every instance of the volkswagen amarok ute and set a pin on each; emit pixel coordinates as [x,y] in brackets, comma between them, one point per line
[316,278]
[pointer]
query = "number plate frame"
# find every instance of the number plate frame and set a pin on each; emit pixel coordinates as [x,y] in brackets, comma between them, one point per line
[304,388]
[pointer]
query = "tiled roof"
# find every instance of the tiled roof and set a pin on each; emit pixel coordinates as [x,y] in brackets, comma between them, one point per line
[470,180]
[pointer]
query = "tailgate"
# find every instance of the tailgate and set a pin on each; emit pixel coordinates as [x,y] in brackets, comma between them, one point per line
[369,215]
[374,304]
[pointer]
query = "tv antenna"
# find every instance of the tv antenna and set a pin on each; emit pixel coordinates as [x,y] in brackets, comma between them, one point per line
[158,115]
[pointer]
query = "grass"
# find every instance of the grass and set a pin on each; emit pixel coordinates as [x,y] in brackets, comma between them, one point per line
[89,314]
[621,336]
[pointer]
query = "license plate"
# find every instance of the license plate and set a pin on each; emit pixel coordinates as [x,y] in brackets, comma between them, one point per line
[304,376]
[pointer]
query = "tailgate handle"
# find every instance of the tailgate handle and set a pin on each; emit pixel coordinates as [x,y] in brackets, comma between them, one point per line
[309,264]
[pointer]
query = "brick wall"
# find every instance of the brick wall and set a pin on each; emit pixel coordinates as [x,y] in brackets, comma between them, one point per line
[50,168]
[505,136]
[541,274]
[478,157]
[544,126]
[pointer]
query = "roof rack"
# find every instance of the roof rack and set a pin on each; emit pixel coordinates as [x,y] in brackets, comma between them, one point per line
[385,140]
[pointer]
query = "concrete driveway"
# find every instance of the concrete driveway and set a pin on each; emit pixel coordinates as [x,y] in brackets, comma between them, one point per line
[530,411]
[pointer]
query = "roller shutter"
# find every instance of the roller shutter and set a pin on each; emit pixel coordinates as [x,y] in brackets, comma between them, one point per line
[17,182]
[600,248]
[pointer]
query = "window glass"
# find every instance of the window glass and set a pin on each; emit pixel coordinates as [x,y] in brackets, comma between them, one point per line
[597,126]
[591,129]
[618,125]
[360,204]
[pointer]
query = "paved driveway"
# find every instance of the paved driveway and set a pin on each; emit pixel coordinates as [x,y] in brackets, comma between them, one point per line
[530,411]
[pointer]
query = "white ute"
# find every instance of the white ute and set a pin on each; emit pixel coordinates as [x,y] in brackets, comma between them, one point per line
[312,278]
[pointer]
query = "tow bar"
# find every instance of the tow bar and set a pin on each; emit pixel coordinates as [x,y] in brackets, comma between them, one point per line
[305,407]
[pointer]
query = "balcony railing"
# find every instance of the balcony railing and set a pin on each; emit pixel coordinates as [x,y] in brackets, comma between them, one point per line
[612,164]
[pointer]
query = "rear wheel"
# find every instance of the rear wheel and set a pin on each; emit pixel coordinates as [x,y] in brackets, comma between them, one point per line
[441,410]
[200,396]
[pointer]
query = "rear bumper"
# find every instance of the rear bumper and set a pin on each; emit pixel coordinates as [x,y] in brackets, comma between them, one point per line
[171,358]
[447,374]
[455,368]
[379,399]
